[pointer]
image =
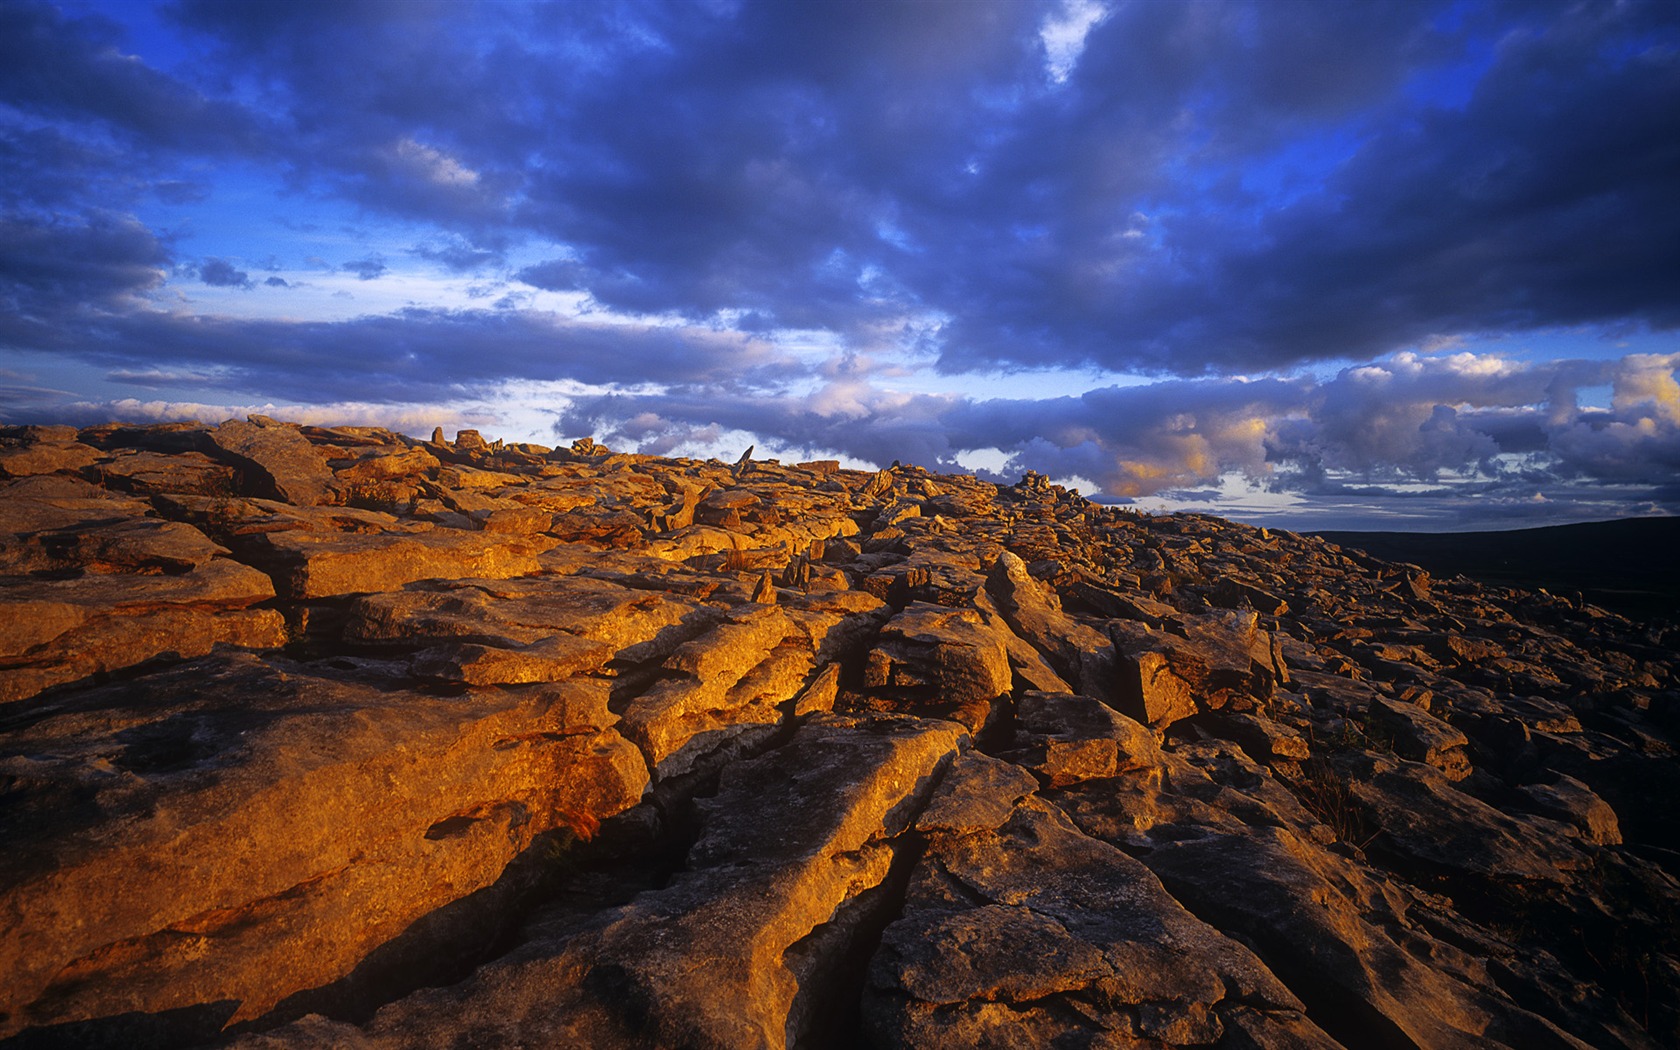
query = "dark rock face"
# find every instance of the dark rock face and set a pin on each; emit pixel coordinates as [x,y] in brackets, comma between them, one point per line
[325,737]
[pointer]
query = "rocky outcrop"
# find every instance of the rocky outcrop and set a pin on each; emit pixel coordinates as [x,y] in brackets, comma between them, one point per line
[319,737]
[94,582]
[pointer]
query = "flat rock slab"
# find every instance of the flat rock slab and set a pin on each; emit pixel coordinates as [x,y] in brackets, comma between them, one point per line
[62,631]
[637,622]
[731,680]
[790,846]
[1320,920]
[237,829]
[46,458]
[275,461]
[1033,933]
[1423,817]
[322,565]
[151,473]
[551,659]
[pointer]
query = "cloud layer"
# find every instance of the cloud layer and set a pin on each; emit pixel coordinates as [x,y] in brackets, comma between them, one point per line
[1447,426]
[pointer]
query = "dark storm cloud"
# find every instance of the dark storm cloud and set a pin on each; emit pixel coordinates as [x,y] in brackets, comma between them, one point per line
[53,267]
[411,355]
[219,273]
[1177,204]
[47,169]
[1544,200]
[365,269]
[1214,185]
[422,109]
[76,69]
[759,163]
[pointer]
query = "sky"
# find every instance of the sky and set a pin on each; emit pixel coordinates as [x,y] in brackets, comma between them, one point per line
[1409,266]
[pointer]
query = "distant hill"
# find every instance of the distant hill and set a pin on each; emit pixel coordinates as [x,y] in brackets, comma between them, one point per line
[1631,566]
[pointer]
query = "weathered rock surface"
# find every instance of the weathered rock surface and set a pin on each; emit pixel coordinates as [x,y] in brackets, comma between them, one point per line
[778,887]
[90,584]
[279,824]
[274,460]
[327,737]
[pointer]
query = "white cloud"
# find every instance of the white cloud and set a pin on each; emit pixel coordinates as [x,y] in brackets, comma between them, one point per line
[1645,383]
[413,419]
[432,165]
[1064,35]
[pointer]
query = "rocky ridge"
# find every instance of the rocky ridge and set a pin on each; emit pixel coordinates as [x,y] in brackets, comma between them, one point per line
[327,737]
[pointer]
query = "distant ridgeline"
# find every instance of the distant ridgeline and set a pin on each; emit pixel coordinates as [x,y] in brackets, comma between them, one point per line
[1628,566]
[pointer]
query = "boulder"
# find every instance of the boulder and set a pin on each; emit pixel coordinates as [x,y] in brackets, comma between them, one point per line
[1572,802]
[939,660]
[1068,739]
[385,464]
[1211,663]
[1080,654]
[1421,737]
[274,461]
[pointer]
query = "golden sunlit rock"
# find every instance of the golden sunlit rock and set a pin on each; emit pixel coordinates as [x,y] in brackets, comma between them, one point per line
[327,737]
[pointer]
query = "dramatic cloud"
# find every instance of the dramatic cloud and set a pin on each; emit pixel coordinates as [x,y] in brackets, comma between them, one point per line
[1424,246]
[50,268]
[397,417]
[1458,424]
[439,354]
[73,69]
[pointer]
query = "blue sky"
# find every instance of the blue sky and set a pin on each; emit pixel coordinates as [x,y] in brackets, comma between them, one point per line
[1314,264]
